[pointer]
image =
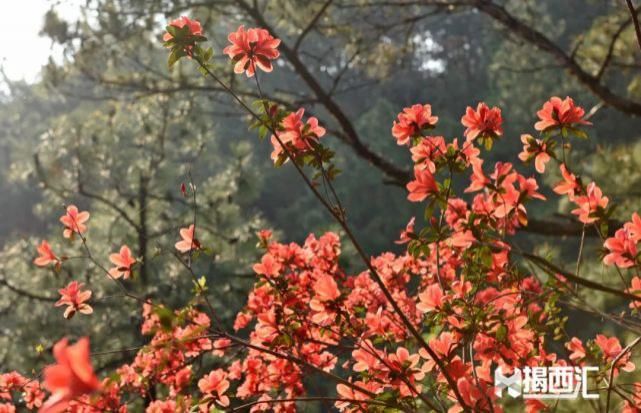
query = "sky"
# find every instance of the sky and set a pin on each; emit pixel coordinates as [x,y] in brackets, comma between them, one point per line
[22,60]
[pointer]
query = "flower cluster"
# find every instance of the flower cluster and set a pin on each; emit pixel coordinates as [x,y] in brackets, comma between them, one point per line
[416,331]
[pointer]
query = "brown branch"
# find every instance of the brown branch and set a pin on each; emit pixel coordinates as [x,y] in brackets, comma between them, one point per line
[352,138]
[543,43]
[311,24]
[635,19]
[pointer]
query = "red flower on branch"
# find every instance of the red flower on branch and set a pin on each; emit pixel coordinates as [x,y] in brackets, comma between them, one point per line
[188,242]
[72,376]
[252,48]
[74,299]
[412,121]
[46,256]
[422,186]
[482,122]
[557,113]
[74,221]
[123,262]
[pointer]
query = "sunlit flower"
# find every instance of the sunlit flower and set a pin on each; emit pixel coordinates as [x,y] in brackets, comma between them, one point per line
[252,48]
[46,256]
[560,113]
[188,242]
[74,299]
[482,122]
[411,121]
[123,262]
[72,375]
[74,221]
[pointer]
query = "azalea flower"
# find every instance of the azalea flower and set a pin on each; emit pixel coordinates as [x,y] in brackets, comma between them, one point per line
[296,134]
[422,186]
[430,299]
[570,184]
[635,289]
[214,385]
[74,299]
[590,204]
[557,113]
[252,48]
[46,255]
[428,151]
[72,376]
[193,25]
[611,349]
[405,234]
[534,149]
[188,241]
[123,262]
[577,349]
[74,221]
[268,266]
[622,250]
[482,122]
[326,288]
[411,121]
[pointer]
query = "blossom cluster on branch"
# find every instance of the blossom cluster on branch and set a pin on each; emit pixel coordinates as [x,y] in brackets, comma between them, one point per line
[422,330]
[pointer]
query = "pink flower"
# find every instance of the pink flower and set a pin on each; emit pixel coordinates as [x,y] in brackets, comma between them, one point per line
[123,262]
[430,299]
[534,149]
[570,184]
[611,348]
[72,376]
[409,229]
[74,221]
[557,113]
[252,48]
[422,186]
[483,121]
[74,299]
[326,288]
[214,385]
[46,255]
[590,204]
[187,42]
[577,349]
[411,121]
[188,241]
[194,27]
[622,250]
[268,266]
[296,135]
[635,289]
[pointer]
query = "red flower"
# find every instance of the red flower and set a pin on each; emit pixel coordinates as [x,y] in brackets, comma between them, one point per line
[622,250]
[430,299]
[559,113]
[74,221]
[296,134]
[483,121]
[252,48]
[194,27]
[405,234]
[423,185]
[72,375]
[214,385]
[611,348]
[188,241]
[590,204]
[570,184]
[123,262]
[534,149]
[411,121]
[46,255]
[74,299]
[326,288]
